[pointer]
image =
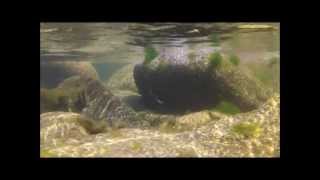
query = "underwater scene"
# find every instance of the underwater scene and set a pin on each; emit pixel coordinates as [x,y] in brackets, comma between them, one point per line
[160,89]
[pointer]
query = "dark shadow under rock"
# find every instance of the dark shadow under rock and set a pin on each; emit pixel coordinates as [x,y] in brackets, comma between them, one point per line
[175,88]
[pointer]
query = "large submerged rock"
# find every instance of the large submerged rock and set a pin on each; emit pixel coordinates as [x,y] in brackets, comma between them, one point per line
[122,79]
[193,83]
[102,105]
[89,97]
[53,73]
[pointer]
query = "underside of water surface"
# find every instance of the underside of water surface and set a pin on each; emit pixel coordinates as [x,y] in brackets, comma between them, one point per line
[160,89]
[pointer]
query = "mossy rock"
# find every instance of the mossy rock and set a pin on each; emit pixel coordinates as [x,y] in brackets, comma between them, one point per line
[239,87]
[150,54]
[247,129]
[227,108]
[167,86]
[122,79]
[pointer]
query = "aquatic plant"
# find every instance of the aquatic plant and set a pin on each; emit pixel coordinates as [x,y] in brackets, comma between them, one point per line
[227,108]
[149,54]
[215,60]
[234,59]
[248,130]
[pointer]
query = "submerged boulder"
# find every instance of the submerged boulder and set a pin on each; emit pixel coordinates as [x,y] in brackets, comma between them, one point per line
[102,105]
[239,87]
[52,73]
[89,97]
[196,82]
[122,79]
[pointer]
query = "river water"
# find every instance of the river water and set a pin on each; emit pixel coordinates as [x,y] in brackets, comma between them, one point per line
[109,46]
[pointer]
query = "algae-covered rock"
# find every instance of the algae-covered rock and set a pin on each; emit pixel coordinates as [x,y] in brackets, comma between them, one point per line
[91,98]
[197,83]
[53,73]
[239,87]
[102,105]
[122,79]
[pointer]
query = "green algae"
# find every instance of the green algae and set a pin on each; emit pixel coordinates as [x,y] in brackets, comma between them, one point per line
[46,154]
[227,108]
[150,53]
[234,59]
[247,130]
[215,60]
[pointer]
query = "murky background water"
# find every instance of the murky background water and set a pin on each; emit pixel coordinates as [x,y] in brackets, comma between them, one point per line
[110,46]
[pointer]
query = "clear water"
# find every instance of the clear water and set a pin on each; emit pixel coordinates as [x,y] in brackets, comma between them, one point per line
[111,46]
[122,43]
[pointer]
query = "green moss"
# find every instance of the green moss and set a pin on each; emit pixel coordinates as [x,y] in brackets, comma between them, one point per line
[227,108]
[46,153]
[149,54]
[215,60]
[234,59]
[248,130]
